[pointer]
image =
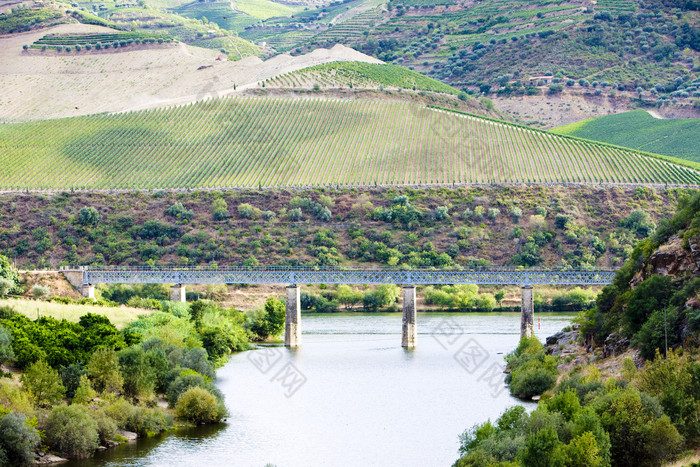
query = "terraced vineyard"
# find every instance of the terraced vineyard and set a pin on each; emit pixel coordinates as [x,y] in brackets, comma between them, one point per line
[265,142]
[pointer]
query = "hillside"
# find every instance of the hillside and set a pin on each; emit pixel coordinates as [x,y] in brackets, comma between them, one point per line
[280,142]
[468,226]
[41,84]
[640,130]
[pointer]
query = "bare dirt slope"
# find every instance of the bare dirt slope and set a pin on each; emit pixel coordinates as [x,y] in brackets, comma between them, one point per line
[39,85]
[549,111]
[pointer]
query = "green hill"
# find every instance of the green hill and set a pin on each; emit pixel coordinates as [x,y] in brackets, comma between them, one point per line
[639,130]
[279,142]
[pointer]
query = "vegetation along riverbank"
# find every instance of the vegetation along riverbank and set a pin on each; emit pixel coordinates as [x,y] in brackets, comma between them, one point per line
[72,381]
[620,388]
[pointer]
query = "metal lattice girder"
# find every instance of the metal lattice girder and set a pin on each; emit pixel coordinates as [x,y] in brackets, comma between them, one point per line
[349,276]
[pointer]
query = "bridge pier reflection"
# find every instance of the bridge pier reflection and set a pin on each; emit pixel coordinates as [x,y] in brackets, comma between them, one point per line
[527,312]
[409,329]
[292,322]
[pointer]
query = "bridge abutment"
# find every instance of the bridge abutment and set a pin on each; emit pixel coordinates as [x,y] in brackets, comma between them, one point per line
[409,330]
[177,293]
[292,322]
[527,312]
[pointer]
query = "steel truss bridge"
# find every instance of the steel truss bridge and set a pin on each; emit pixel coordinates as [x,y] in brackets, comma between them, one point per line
[268,275]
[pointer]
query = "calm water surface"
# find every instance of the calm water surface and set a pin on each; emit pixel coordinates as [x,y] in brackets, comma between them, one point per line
[351,396]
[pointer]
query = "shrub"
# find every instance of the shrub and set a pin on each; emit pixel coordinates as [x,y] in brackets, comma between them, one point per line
[18,440]
[43,384]
[493,213]
[6,286]
[148,422]
[295,215]
[189,379]
[198,405]
[267,215]
[40,291]
[106,426]
[71,430]
[246,211]
[89,216]
[441,213]
[179,211]
[517,213]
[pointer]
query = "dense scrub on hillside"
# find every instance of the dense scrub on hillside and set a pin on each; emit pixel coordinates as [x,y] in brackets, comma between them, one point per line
[648,305]
[466,227]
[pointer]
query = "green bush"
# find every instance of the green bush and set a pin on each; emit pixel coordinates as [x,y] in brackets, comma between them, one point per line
[18,440]
[148,421]
[88,215]
[40,291]
[106,426]
[271,323]
[186,380]
[72,431]
[198,405]
[532,372]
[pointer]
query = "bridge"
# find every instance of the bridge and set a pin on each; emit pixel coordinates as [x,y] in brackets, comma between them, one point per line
[84,278]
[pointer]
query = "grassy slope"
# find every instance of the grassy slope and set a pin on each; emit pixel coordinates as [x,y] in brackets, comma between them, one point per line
[639,130]
[120,317]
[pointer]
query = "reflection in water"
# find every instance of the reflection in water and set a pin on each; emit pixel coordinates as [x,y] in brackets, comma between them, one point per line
[351,395]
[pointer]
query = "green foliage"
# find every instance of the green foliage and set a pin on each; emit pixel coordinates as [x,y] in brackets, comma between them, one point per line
[198,405]
[9,273]
[103,370]
[43,384]
[179,211]
[186,380]
[71,430]
[651,295]
[60,343]
[271,323]
[84,393]
[532,372]
[89,216]
[18,440]
[6,352]
[640,223]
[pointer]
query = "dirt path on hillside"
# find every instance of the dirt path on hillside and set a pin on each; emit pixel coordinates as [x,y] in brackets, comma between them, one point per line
[655,114]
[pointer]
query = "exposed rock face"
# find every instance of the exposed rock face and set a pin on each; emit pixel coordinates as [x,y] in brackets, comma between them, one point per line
[615,344]
[562,342]
[670,259]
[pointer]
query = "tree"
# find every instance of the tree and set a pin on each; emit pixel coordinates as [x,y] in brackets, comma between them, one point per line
[138,377]
[18,440]
[271,323]
[89,216]
[441,213]
[103,370]
[499,296]
[246,211]
[388,294]
[219,209]
[72,431]
[43,384]
[543,449]
[84,393]
[348,296]
[6,353]
[9,274]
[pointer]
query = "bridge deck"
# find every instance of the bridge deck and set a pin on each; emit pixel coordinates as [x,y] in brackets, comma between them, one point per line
[501,276]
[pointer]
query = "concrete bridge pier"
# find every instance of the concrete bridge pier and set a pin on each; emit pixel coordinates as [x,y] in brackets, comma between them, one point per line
[292,322]
[88,291]
[177,293]
[527,312]
[409,331]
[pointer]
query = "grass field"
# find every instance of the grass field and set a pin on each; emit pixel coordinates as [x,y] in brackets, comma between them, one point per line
[639,130]
[120,317]
[273,142]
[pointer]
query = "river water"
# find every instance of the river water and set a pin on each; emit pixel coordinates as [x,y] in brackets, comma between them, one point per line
[351,396]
